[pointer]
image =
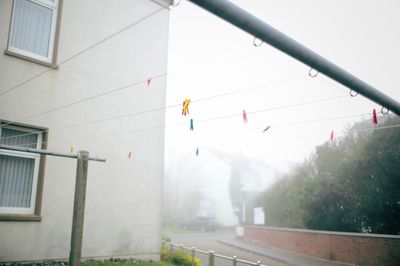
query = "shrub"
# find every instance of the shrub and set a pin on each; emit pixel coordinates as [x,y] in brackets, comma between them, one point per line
[178,257]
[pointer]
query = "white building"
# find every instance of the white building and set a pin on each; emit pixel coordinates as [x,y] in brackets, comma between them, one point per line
[74,76]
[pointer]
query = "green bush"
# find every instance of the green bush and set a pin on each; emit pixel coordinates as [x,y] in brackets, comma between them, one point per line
[165,238]
[178,257]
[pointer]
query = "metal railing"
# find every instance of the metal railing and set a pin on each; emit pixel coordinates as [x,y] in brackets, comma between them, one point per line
[211,255]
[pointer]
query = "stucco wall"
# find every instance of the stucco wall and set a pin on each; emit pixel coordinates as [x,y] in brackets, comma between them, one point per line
[123,203]
[358,249]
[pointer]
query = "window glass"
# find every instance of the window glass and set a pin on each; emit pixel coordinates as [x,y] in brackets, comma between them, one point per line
[19,138]
[19,171]
[16,177]
[33,29]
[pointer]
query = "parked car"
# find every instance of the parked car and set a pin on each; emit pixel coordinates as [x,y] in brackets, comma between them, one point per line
[202,224]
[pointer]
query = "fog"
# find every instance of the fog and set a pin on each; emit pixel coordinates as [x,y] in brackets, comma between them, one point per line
[218,68]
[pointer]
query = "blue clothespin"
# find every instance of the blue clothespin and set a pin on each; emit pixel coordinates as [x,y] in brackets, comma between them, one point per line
[197,151]
[191,124]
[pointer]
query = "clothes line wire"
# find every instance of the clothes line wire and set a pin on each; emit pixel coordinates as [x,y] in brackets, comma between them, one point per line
[185,124]
[276,108]
[82,100]
[198,121]
[178,105]
[135,23]
[140,112]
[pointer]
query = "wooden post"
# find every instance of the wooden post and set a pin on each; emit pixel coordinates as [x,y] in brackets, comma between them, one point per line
[79,209]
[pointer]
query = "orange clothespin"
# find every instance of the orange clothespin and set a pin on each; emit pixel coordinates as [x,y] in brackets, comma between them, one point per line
[185,107]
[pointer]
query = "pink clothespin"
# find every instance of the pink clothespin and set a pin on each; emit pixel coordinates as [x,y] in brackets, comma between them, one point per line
[331,137]
[244,116]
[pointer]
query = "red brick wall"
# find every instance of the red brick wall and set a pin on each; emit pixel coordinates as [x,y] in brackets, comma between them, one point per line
[360,249]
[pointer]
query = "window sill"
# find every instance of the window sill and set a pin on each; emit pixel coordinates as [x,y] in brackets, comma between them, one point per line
[30,59]
[20,217]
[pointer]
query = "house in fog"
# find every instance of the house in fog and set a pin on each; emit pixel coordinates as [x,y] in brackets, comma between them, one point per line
[82,75]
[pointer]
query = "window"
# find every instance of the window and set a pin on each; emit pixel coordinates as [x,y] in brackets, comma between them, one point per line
[33,30]
[20,172]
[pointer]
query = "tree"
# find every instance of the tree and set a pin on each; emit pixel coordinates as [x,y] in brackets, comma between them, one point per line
[352,184]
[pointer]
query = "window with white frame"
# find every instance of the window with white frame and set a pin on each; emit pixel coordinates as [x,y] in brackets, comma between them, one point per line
[33,29]
[19,171]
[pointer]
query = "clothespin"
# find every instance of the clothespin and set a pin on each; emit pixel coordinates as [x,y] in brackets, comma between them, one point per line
[331,137]
[197,151]
[374,118]
[185,107]
[148,81]
[130,155]
[191,124]
[72,149]
[244,116]
[265,129]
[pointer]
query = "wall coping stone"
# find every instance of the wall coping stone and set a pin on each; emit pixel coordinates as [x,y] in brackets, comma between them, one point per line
[324,232]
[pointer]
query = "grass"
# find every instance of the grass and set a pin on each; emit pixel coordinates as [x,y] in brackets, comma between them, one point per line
[133,264]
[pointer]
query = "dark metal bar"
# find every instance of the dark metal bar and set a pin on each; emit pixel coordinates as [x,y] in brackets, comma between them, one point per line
[45,152]
[258,28]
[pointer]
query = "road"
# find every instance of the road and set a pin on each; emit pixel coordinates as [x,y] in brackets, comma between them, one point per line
[210,241]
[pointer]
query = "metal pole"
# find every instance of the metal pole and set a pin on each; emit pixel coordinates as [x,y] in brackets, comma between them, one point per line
[211,258]
[46,152]
[234,261]
[258,28]
[193,255]
[79,209]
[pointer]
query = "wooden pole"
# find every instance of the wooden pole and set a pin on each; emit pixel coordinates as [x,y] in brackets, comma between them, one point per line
[79,209]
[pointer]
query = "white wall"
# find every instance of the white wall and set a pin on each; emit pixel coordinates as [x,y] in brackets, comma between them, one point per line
[123,203]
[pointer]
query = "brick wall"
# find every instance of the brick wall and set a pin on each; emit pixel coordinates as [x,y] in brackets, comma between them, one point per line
[359,249]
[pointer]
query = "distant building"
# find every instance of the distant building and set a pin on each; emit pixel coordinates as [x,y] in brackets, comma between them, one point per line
[74,76]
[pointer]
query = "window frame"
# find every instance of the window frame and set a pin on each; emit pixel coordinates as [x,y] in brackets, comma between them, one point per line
[51,60]
[33,213]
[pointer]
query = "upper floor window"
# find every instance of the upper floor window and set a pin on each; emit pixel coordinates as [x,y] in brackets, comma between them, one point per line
[33,29]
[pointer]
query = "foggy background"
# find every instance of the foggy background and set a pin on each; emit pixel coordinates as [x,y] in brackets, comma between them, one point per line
[217,66]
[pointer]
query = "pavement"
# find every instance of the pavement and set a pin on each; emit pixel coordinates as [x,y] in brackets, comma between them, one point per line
[228,245]
[285,257]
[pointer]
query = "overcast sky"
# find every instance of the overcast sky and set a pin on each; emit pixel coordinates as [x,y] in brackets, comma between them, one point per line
[209,57]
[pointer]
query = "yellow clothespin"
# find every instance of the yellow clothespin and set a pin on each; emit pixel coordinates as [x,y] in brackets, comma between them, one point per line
[185,108]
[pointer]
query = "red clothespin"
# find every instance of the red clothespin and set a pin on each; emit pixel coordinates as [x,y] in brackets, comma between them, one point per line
[148,81]
[130,155]
[331,137]
[244,116]
[374,118]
